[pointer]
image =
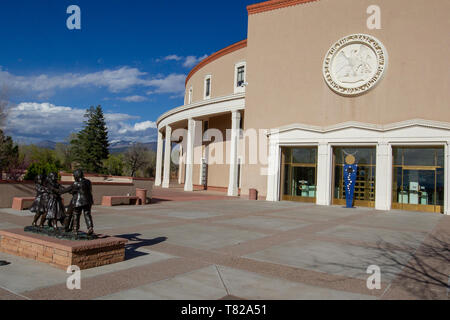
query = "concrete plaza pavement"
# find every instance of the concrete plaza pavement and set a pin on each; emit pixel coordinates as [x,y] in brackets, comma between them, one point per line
[202,246]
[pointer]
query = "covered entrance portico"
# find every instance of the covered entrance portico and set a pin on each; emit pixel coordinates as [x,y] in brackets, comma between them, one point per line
[383,181]
[187,125]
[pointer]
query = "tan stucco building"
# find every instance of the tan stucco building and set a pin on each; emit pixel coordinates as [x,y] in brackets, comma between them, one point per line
[318,81]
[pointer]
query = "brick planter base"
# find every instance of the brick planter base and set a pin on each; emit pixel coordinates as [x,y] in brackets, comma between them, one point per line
[63,253]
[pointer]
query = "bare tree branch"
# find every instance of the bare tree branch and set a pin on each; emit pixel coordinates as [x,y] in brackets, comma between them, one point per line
[136,158]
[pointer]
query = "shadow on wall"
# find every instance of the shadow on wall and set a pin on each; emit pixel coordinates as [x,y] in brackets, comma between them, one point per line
[131,249]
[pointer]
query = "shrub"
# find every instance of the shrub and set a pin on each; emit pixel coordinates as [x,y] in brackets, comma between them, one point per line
[40,168]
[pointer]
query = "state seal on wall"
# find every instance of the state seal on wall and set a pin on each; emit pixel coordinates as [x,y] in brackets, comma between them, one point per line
[355,64]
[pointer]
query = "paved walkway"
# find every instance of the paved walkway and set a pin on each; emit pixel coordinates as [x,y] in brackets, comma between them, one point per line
[233,248]
[176,193]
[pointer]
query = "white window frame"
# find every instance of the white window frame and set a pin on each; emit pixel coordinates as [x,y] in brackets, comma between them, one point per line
[236,67]
[205,97]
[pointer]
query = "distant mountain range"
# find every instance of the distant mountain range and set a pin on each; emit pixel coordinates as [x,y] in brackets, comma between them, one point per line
[116,146]
[46,144]
[121,146]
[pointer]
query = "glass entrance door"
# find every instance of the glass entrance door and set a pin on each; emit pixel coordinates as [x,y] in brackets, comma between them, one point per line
[299,174]
[418,179]
[365,158]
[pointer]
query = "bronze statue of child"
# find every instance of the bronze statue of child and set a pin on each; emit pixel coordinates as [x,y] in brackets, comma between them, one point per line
[39,207]
[55,207]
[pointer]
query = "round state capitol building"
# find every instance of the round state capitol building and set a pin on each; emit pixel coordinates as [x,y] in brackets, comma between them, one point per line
[319,89]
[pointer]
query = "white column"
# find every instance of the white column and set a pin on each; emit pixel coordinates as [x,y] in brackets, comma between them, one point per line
[273,171]
[159,156]
[233,176]
[167,157]
[383,190]
[180,165]
[447,179]
[324,174]
[188,184]
[198,146]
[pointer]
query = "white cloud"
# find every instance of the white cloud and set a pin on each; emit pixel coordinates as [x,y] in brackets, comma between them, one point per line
[188,61]
[173,83]
[32,122]
[191,61]
[134,99]
[173,57]
[140,126]
[114,80]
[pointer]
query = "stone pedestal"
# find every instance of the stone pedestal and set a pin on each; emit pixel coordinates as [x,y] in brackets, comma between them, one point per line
[63,253]
[253,194]
[142,195]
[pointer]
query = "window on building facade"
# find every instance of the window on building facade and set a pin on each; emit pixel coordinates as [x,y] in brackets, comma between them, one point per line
[240,76]
[190,96]
[207,87]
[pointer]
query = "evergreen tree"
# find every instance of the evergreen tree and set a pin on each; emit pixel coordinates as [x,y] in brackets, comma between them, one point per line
[9,152]
[90,146]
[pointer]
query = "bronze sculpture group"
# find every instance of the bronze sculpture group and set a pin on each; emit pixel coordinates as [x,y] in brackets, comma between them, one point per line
[48,205]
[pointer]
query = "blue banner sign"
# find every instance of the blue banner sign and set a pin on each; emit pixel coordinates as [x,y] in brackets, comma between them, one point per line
[350,179]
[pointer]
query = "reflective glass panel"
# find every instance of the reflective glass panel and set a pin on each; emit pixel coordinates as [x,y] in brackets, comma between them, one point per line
[299,176]
[363,155]
[418,178]
[304,155]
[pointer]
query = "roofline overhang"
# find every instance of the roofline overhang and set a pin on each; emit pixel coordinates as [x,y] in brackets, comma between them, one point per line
[234,47]
[199,104]
[273,5]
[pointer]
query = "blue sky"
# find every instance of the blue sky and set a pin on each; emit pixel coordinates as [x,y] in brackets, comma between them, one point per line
[130,56]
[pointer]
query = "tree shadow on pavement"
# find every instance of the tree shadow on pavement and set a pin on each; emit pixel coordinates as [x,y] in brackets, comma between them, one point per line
[426,274]
[131,249]
[412,267]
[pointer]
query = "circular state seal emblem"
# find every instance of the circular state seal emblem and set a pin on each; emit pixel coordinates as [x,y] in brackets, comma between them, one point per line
[350,159]
[355,64]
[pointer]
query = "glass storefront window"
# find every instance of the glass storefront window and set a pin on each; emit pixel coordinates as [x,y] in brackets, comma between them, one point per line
[419,156]
[418,178]
[299,174]
[363,155]
[304,155]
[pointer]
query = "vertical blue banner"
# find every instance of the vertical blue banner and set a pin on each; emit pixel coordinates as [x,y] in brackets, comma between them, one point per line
[350,180]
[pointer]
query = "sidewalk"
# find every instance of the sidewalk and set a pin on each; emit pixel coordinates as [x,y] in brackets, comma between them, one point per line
[211,248]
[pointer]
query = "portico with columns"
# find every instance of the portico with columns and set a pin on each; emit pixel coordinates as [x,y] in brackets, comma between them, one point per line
[186,126]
